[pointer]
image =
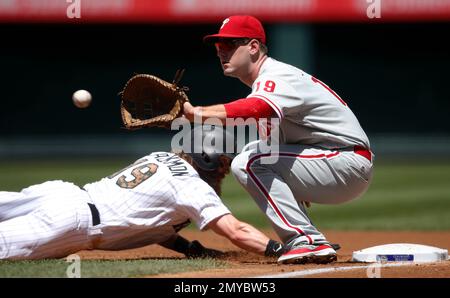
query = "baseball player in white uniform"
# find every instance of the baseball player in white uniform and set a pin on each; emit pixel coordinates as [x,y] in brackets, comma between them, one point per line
[147,202]
[323,154]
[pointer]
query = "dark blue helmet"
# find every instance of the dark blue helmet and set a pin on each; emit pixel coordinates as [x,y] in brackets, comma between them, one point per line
[208,143]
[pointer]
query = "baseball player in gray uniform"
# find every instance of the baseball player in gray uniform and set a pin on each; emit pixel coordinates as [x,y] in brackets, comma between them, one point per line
[323,154]
[147,202]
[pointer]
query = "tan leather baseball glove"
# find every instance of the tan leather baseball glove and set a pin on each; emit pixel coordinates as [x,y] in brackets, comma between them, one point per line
[148,101]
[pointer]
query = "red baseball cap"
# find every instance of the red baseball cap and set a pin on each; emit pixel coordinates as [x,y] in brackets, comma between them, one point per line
[239,27]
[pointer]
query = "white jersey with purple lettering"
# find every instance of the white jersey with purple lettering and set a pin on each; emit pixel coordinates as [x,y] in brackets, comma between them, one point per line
[310,112]
[145,203]
[159,190]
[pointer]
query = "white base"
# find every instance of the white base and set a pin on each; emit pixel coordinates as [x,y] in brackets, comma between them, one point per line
[400,252]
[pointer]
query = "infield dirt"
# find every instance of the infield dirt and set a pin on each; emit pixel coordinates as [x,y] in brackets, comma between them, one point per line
[244,264]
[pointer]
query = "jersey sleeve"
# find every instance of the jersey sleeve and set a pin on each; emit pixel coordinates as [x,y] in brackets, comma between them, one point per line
[277,93]
[250,107]
[201,203]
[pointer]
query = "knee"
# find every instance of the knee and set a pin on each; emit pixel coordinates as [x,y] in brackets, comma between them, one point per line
[238,167]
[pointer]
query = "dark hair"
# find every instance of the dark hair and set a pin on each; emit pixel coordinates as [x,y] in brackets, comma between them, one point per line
[263,48]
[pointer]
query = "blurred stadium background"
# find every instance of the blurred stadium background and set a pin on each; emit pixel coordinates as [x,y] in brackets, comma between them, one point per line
[389,59]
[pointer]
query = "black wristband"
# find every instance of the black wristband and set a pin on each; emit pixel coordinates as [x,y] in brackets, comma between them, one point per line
[181,245]
[274,249]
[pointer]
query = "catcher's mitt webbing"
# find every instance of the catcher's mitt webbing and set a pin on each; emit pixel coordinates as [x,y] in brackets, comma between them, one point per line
[150,101]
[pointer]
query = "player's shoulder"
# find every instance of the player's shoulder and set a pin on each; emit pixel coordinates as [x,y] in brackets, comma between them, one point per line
[273,67]
[172,162]
[281,74]
[166,157]
[197,187]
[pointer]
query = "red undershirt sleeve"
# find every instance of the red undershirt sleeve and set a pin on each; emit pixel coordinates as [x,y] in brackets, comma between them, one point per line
[250,107]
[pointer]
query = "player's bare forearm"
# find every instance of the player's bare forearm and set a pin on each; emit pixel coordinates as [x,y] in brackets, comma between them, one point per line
[240,234]
[199,113]
[249,238]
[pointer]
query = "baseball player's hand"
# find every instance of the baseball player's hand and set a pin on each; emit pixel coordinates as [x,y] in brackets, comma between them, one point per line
[197,250]
[188,111]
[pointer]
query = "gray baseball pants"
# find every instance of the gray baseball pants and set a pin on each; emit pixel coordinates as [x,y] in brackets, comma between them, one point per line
[280,181]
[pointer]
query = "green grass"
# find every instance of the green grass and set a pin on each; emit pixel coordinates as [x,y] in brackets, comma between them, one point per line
[96,268]
[15,175]
[404,195]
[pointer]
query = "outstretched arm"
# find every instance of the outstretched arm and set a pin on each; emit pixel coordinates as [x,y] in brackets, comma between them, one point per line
[245,108]
[245,236]
[202,113]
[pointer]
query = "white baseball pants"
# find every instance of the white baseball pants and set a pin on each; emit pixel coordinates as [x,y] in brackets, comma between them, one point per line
[47,220]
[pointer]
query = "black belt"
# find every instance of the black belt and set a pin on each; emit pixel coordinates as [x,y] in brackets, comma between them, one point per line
[95,214]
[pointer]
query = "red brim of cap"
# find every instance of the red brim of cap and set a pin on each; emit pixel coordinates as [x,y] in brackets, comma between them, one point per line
[214,37]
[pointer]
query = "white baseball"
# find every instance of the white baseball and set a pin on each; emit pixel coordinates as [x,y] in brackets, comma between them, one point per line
[82,98]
